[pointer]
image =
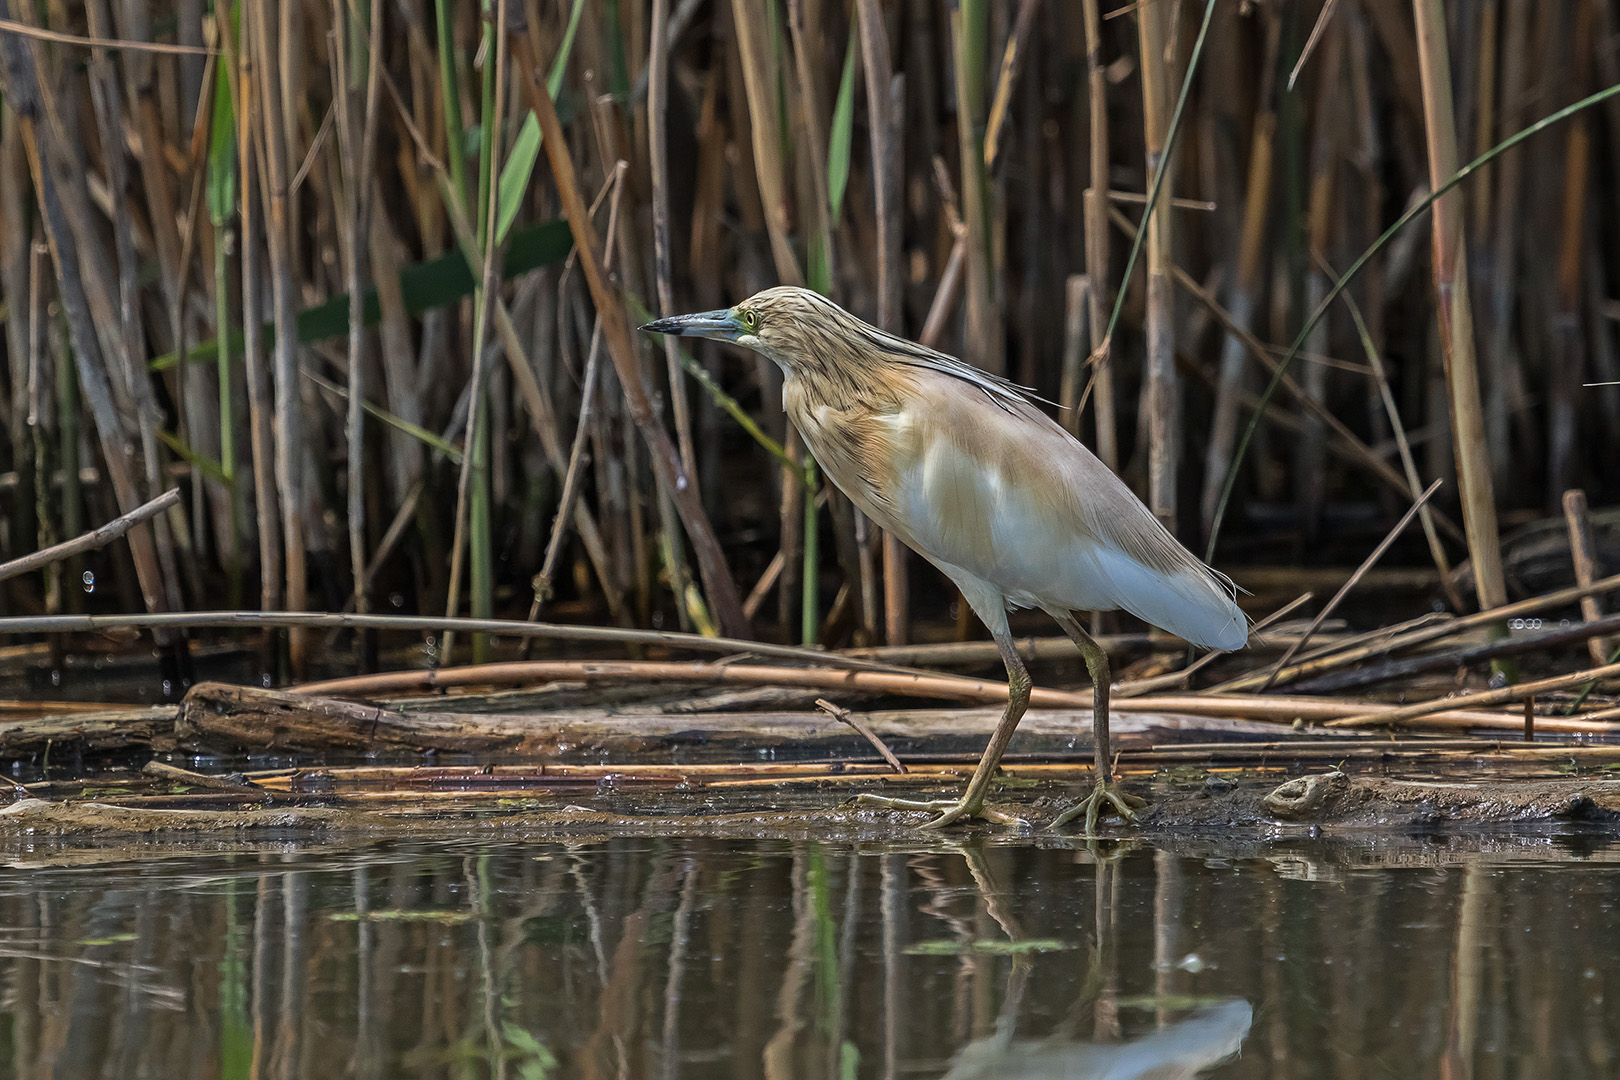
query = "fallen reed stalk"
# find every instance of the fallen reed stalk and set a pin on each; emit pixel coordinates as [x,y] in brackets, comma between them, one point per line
[1495,649]
[60,624]
[1483,697]
[92,540]
[1421,636]
[946,687]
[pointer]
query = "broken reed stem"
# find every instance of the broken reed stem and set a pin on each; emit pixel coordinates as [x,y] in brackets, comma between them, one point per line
[844,716]
[357,138]
[1581,546]
[1361,571]
[90,541]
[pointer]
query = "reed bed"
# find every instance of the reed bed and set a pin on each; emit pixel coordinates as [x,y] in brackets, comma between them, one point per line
[360,279]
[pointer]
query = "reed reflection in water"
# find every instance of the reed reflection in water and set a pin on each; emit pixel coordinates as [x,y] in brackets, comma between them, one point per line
[708,958]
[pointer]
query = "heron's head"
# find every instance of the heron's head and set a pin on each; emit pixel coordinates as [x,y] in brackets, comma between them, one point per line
[792,326]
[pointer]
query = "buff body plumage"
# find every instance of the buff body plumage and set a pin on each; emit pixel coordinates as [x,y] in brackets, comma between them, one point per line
[966,469]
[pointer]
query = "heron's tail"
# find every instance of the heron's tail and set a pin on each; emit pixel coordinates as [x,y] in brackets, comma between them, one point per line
[1188,599]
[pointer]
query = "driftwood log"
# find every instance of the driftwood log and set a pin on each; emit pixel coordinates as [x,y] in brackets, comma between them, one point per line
[235,718]
[216,716]
[90,732]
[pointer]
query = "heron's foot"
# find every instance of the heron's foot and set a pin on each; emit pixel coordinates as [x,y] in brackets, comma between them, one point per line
[949,810]
[1106,796]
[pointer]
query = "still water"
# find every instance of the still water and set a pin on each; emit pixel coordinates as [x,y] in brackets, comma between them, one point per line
[618,958]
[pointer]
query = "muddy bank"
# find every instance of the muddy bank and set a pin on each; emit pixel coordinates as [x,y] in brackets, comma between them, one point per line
[1249,808]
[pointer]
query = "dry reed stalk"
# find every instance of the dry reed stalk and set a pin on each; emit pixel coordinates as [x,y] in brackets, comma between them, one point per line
[658,156]
[1162,406]
[24,95]
[1077,304]
[762,78]
[1581,547]
[274,136]
[1270,709]
[789,584]
[982,334]
[885,112]
[242,80]
[718,584]
[1095,210]
[1013,58]
[1246,284]
[1455,311]
[357,140]
[1569,347]
[322,620]
[1507,222]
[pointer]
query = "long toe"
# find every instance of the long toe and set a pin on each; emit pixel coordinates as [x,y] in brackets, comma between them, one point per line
[1103,797]
[953,813]
[950,811]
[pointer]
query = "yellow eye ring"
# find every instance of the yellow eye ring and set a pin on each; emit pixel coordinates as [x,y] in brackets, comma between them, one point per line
[750,320]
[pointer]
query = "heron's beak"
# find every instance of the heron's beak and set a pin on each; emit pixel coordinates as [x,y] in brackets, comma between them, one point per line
[719,325]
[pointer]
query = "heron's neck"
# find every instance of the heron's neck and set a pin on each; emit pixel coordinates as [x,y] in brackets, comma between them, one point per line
[823,382]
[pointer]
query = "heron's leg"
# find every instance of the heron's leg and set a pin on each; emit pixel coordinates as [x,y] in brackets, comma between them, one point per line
[1106,791]
[971,804]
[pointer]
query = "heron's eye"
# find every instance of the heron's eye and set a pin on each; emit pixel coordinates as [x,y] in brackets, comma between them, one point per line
[750,320]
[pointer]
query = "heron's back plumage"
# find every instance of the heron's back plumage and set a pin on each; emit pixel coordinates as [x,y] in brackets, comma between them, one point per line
[986,484]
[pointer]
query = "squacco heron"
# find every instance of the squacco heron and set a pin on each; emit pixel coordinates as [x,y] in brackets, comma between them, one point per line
[963,467]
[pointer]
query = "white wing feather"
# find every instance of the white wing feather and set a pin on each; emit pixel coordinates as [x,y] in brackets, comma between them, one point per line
[1044,521]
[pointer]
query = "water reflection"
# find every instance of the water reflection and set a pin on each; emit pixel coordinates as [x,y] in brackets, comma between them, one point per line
[1180,1051]
[779,959]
